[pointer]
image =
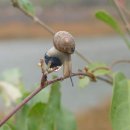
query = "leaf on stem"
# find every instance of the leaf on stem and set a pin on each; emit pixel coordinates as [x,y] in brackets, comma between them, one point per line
[21,118]
[55,117]
[83,82]
[27,6]
[120,109]
[109,20]
[98,69]
[35,117]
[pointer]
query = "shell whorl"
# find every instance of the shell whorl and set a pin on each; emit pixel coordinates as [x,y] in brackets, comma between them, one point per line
[64,42]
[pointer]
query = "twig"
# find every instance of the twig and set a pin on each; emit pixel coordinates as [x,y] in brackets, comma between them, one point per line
[125,21]
[100,68]
[105,80]
[35,92]
[82,57]
[126,10]
[35,18]
[44,25]
[119,62]
[102,78]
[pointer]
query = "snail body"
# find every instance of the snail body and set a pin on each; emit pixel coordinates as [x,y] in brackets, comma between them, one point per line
[54,56]
[60,53]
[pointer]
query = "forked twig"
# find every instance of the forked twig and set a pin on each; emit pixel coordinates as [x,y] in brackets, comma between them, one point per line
[44,84]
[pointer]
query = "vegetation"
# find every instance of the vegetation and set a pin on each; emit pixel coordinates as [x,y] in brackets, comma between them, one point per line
[45,111]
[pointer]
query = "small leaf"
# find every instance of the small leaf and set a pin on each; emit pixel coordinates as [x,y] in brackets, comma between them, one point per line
[84,82]
[120,109]
[35,117]
[21,118]
[67,121]
[27,6]
[53,107]
[42,97]
[108,19]
[99,69]
[55,117]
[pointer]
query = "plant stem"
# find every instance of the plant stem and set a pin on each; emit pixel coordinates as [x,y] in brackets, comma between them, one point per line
[125,21]
[35,18]
[44,25]
[35,92]
[82,57]
[119,62]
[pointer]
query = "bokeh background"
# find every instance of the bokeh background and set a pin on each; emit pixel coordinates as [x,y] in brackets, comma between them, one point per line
[23,43]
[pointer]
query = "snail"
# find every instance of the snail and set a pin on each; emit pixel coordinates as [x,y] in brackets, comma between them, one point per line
[60,53]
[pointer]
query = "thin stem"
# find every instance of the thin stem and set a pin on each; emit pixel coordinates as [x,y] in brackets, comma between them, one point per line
[105,80]
[44,25]
[35,92]
[82,57]
[35,18]
[125,21]
[100,68]
[119,62]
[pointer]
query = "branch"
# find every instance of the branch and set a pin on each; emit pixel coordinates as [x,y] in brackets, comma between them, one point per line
[119,62]
[100,68]
[35,18]
[82,57]
[44,25]
[125,21]
[110,82]
[44,83]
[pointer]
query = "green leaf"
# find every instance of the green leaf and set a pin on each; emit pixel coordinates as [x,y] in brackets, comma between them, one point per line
[42,96]
[98,68]
[109,20]
[84,82]
[120,109]
[53,107]
[27,6]
[21,118]
[5,127]
[35,117]
[67,121]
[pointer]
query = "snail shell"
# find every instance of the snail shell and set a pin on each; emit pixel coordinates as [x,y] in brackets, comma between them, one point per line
[64,42]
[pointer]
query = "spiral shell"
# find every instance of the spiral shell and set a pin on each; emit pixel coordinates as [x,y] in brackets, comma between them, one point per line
[64,42]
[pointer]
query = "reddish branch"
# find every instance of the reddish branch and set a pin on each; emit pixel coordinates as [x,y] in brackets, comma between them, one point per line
[44,83]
